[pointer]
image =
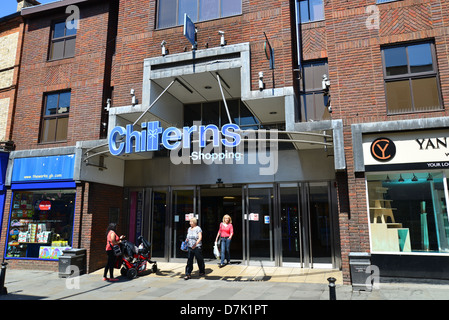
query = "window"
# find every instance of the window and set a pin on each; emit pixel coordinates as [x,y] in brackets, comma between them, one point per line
[171,12]
[313,99]
[215,113]
[311,10]
[411,79]
[55,117]
[62,43]
[41,223]
[408,212]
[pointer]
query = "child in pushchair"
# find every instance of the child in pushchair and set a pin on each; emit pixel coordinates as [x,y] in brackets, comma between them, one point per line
[134,259]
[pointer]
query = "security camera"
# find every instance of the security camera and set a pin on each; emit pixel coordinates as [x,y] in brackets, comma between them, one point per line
[222,39]
[133,97]
[164,50]
[325,83]
[108,104]
[261,84]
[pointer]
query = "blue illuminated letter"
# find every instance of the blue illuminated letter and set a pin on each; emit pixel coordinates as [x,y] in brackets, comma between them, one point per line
[113,149]
[225,131]
[167,137]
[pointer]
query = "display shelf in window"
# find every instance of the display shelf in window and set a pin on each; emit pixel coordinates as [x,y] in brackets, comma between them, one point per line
[386,236]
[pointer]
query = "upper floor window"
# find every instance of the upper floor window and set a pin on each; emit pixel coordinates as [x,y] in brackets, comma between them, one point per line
[314,100]
[62,44]
[55,118]
[311,10]
[171,12]
[411,78]
[215,113]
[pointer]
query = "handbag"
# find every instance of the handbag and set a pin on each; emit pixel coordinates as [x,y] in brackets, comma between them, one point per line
[116,249]
[184,246]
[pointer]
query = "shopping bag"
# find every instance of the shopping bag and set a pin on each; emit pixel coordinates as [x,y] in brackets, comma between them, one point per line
[216,251]
[184,246]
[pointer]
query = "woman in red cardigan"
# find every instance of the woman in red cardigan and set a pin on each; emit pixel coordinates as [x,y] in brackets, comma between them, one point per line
[225,231]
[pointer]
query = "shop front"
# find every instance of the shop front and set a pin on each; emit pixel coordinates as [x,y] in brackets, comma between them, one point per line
[41,212]
[407,195]
[201,143]
[288,222]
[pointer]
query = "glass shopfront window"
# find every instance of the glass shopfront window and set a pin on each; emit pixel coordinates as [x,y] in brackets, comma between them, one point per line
[40,224]
[408,212]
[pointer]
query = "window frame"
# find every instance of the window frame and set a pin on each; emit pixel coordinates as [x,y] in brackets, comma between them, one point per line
[56,116]
[308,8]
[412,75]
[63,38]
[198,6]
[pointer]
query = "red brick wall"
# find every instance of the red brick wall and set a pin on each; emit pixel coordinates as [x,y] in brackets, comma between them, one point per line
[138,39]
[84,74]
[98,199]
[357,86]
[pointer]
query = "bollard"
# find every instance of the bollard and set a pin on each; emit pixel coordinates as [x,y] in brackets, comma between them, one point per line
[332,295]
[2,279]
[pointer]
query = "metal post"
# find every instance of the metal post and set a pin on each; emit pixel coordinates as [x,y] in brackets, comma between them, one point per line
[332,295]
[3,290]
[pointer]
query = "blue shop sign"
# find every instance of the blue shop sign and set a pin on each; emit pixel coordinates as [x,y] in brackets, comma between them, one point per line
[49,168]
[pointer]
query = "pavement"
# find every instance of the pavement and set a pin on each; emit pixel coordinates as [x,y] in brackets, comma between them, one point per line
[236,283]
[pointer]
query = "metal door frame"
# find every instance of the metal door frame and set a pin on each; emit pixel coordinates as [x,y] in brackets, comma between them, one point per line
[299,199]
[171,216]
[245,223]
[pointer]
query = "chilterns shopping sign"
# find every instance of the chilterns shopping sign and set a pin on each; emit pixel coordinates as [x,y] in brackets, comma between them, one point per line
[200,144]
[127,140]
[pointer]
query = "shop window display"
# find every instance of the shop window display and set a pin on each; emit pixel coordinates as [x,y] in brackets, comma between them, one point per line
[40,224]
[408,212]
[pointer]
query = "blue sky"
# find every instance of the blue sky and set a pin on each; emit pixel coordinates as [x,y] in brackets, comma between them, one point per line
[10,6]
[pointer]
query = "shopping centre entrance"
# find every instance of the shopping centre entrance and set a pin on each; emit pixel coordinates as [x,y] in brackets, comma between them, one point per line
[274,224]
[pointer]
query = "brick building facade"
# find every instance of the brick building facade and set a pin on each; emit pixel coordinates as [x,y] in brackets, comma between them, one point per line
[353,37]
[386,64]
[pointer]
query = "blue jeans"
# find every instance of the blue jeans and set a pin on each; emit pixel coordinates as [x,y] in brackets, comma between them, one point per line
[225,253]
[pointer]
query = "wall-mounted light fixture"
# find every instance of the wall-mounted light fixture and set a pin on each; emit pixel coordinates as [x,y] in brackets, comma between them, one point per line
[222,38]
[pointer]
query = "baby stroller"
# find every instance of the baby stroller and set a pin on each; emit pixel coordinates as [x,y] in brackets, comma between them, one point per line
[134,259]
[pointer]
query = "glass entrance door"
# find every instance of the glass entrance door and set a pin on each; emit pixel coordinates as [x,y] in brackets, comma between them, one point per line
[290,223]
[214,204]
[183,207]
[320,223]
[258,220]
[158,223]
